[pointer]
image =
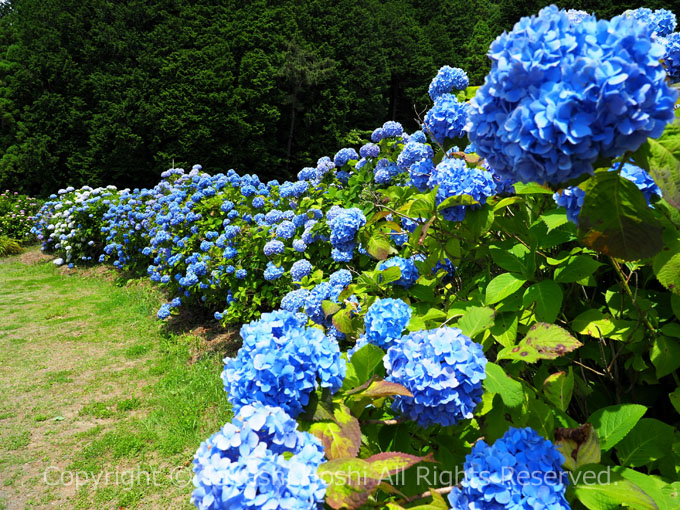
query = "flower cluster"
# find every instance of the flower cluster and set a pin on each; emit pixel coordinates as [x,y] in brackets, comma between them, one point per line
[453,178]
[259,460]
[385,321]
[443,369]
[17,215]
[409,271]
[448,79]
[280,363]
[344,223]
[447,118]
[561,95]
[520,470]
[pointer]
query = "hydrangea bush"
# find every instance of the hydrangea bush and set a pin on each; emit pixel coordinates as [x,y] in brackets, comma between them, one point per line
[17,215]
[496,293]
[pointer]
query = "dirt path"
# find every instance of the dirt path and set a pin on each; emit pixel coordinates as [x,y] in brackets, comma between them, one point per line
[98,409]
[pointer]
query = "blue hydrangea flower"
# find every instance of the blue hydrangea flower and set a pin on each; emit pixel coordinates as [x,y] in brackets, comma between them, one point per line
[576,16]
[454,178]
[307,174]
[258,202]
[443,369]
[345,155]
[299,245]
[671,58]
[241,273]
[259,460]
[273,272]
[412,153]
[448,79]
[324,165]
[285,229]
[385,320]
[274,247]
[281,363]
[661,22]
[164,312]
[409,271]
[420,173]
[496,476]
[571,199]
[560,95]
[294,300]
[377,135]
[300,269]
[391,129]
[382,176]
[369,150]
[447,118]
[418,136]
[341,277]
[344,224]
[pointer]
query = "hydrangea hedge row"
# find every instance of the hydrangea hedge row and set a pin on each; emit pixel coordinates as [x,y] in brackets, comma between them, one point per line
[17,215]
[494,298]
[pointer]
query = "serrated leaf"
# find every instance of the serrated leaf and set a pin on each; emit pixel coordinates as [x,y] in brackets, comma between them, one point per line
[615,219]
[576,268]
[504,329]
[456,201]
[479,220]
[340,438]
[665,355]
[660,158]
[666,265]
[664,495]
[548,298]
[645,443]
[381,389]
[391,463]
[498,382]
[613,423]
[613,492]
[476,319]
[502,286]
[390,274]
[579,445]
[543,341]
[379,246]
[367,361]
[343,321]
[531,188]
[329,308]
[554,218]
[558,388]
[350,482]
[592,323]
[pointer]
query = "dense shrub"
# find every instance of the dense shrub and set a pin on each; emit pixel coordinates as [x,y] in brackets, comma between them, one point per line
[17,215]
[517,323]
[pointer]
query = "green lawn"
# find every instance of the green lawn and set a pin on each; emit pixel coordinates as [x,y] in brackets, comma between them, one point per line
[100,406]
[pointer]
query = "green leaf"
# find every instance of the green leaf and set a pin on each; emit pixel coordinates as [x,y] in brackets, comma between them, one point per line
[665,355]
[592,323]
[661,158]
[576,268]
[366,362]
[613,423]
[479,220]
[380,389]
[341,438]
[554,218]
[457,200]
[390,274]
[579,445]
[330,308]
[350,482]
[615,219]
[675,399]
[390,463]
[343,321]
[509,259]
[548,298]
[558,388]
[645,443]
[531,188]
[498,382]
[504,329]
[600,488]
[543,341]
[502,286]
[666,266]
[379,246]
[475,320]
[664,494]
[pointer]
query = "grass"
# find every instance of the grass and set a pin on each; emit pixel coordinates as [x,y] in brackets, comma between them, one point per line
[99,406]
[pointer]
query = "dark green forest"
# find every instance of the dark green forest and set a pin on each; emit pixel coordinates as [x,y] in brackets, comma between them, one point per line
[112,92]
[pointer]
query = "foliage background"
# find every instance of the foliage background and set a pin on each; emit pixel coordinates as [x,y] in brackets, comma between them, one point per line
[102,92]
